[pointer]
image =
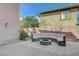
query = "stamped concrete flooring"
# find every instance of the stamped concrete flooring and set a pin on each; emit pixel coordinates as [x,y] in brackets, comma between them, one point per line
[28,48]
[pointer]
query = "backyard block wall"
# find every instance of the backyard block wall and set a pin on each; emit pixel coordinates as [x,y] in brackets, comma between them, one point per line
[9,21]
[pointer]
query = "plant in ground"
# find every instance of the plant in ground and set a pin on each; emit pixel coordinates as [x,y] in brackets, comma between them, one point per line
[23,35]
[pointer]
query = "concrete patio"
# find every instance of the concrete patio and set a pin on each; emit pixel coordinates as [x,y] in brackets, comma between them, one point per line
[28,48]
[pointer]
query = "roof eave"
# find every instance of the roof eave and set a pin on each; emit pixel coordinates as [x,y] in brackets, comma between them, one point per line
[61,9]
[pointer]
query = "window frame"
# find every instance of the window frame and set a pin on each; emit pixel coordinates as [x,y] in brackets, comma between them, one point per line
[77,17]
[65,18]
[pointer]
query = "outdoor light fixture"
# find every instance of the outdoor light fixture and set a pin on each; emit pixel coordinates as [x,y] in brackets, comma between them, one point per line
[6,25]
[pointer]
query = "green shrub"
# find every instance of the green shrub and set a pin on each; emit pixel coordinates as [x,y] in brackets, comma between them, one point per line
[23,35]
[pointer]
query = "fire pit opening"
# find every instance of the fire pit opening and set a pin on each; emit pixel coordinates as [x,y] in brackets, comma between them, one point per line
[45,41]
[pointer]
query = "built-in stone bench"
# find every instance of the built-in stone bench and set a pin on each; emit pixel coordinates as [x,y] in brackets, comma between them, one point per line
[60,39]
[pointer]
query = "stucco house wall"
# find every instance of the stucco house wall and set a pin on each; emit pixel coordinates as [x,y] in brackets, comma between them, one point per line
[50,20]
[54,22]
[9,13]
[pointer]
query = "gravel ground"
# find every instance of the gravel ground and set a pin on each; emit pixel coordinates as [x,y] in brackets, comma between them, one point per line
[28,48]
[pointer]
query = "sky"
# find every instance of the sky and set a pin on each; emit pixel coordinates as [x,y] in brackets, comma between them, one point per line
[33,9]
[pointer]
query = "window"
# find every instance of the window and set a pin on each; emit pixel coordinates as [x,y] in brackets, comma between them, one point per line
[65,15]
[78,17]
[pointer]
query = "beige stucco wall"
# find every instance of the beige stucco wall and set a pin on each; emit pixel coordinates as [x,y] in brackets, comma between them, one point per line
[50,20]
[9,12]
[56,24]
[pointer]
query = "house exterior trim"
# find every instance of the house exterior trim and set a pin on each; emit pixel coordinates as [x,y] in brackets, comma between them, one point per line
[61,9]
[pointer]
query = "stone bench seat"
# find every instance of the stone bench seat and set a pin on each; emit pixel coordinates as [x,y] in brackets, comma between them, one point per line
[49,35]
[52,36]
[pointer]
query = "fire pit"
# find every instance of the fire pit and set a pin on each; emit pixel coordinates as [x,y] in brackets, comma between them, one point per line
[45,42]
